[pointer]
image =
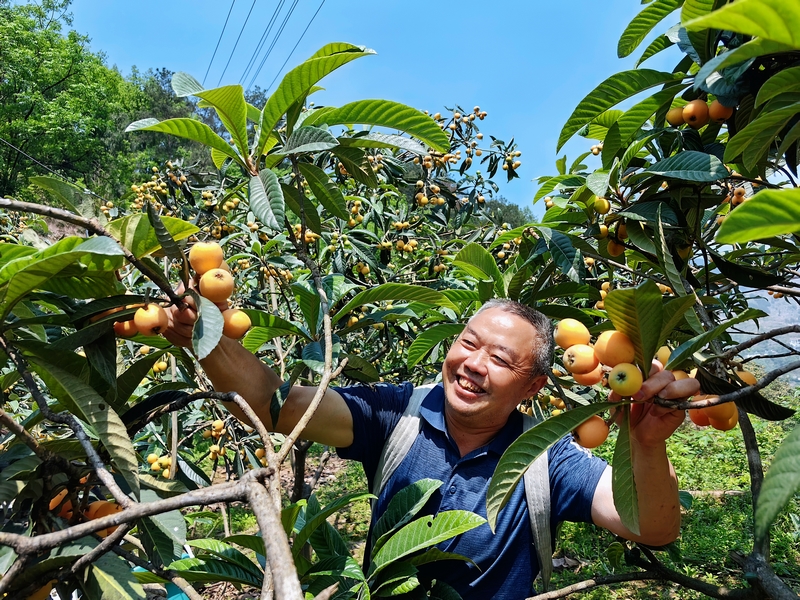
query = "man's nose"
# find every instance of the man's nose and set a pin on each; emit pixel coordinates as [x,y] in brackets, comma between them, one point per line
[476,361]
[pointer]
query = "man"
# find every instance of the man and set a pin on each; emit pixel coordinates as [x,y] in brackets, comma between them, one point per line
[500,359]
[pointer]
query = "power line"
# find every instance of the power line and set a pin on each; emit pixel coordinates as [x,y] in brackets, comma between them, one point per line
[296,45]
[263,39]
[274,41]
[241,31]
[230,10]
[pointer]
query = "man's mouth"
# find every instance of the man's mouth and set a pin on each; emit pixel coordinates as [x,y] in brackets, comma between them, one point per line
[469,386]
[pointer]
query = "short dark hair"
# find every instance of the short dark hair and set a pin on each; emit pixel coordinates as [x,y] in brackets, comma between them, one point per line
[544,350]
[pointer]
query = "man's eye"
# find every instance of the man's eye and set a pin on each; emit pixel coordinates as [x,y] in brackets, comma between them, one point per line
[500,360]
[467,342]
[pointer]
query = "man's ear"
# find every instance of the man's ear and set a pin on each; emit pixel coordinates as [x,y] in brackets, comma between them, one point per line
[537,383]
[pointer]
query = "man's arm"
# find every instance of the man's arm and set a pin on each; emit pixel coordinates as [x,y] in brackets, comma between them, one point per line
[656,483]
[233,368]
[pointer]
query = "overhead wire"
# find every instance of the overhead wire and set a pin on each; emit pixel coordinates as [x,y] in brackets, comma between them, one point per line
[230,10]
[251,63]
[239,37]
[296,45]
[274,41]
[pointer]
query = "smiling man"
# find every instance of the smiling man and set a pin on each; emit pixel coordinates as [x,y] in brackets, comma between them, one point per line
[501,358]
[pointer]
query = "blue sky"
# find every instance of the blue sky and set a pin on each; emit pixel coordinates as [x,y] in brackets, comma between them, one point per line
[528,64]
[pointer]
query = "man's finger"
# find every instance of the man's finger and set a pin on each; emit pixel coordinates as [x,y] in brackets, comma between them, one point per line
[683,388]
[653,385]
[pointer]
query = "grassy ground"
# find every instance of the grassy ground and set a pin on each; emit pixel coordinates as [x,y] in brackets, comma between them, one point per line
[706,460]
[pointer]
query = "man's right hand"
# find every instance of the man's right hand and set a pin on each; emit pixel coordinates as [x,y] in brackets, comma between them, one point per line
[181,321]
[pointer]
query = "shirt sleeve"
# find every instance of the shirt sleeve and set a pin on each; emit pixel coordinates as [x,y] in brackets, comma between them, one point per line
[574,475]
[376,410]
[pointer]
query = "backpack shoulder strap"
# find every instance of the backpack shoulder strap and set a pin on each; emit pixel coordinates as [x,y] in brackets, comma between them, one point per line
[537,495]
[401,439]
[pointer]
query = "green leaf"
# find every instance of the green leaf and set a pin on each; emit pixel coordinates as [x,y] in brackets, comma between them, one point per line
[396,580]
[423,533]
[403,507]
[314,522]
[207,330]
[552,183]
[768,124]
[698,342]
[623,484]
[780,484]
[690,165]
[136,234]
[709,72]
[70,196]
[426,340]
[231,109]
[643,23]
[166,488]
[302,206]
[701,40]
[91,408]
[787,80]
[167,531]
[266,199]
[313,355]
[674,311]
[775,20]
[636,116]
[385,113]
[256,542]
[744,274]
[475,260]
[395,292]
[309,139]
[665,258]
[768,213]
[168,244]
[637,312]
[189,129]
[109,577]
[567,289]
[612,91]
[662,42]
[211,571]
[527,448]
[129,380]
[226,552]
[325,191]
[309,301]
[564,254]
[184,85]
[384,140]
[297,83]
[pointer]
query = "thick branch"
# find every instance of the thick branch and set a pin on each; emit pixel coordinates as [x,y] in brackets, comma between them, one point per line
[8,578]
[279,555]
[105,546]
[733,351]
[92,226]
[223,492]
[589,584]
[756,470]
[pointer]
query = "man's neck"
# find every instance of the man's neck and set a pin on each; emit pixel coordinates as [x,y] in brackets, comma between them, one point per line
[469,435]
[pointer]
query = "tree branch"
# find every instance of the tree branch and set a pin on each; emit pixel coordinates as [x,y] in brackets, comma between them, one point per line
[173,576]
[734,350]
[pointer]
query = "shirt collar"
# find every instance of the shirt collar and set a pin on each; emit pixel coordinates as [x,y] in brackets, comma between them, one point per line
[432,410]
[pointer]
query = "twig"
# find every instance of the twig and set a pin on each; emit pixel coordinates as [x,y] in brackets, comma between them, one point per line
[756,470]
[278,553]
[589,584]
[105,546]
[94,227]
[8,578]
[734,350]
[19,431]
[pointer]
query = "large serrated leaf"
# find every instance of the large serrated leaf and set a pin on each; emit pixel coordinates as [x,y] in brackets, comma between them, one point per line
[552,183]
[212,570]
[384,140]
[309,139]
[643,23]
[563,253]
[636,116]
[760,132]
[402,508]
[475,260]
[673,314]
[784,81]
[297,83]
[207,330]
[314,522]
[623,484]
[775,20]
[136,234]
[698,342]
[95,411]
[226,552]
[395,292]
[231,109]
[168,244]
[665,258]
[70,196]
[189,129]
[423,533]
[700,39]
[426,340]
[166,531]
[612,91]
[753,403]
[690,165]
[745,275]
[360,369]
[637,312]
[768,213]
[184,85]
[109,577]
[527,448]
[265,196]
[385,113]
[302,206]
[662,42]
[326,191]
[780,484]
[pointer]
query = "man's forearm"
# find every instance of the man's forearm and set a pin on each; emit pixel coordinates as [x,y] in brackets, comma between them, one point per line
[231,368]
[657,489]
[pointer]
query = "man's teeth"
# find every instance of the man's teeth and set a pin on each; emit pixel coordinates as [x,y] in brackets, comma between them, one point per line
[468,385]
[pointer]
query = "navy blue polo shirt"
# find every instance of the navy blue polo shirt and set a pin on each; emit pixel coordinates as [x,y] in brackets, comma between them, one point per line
[506,562]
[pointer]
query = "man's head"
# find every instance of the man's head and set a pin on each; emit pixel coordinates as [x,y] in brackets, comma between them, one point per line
[500,358]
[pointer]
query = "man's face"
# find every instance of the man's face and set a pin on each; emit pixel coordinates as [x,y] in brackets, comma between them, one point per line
[487,371]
